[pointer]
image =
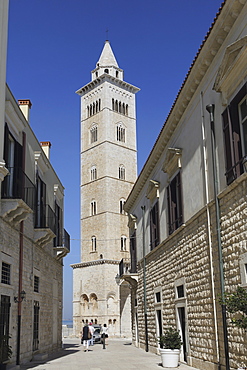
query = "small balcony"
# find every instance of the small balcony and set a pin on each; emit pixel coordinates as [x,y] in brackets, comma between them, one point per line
[64,249]
[18,194]
[44,224]
[125,273]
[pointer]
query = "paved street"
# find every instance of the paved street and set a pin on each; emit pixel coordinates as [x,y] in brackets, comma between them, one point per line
[119,354]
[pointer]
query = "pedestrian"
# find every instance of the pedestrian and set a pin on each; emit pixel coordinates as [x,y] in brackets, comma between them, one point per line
[91,329]
[85,337]
[104,333]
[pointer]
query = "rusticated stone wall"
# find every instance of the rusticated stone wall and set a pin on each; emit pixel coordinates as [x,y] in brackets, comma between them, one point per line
[186,255]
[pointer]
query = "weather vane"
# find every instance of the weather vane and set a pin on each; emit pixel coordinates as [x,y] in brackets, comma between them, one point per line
[107,33]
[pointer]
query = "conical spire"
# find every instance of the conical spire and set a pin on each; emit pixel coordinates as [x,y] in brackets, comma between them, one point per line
[107,64]
[107,57]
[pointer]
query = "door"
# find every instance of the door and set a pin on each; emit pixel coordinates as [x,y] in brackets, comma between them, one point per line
[182,329]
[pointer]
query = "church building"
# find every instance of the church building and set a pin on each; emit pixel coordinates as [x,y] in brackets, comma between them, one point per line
[108,172]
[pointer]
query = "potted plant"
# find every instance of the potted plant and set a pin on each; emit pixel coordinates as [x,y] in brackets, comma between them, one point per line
[170,344]
[5,351]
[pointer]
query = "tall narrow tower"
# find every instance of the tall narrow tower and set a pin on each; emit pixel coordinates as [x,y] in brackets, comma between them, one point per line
[108,172]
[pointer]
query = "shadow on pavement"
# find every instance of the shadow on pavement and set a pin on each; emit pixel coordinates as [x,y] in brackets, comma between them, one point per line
[67,349]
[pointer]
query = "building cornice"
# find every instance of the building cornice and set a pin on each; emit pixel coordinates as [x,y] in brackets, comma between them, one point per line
[107,78]
[208,50]
[94,263]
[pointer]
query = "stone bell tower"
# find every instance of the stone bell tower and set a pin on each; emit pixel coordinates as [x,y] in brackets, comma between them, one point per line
[108,172]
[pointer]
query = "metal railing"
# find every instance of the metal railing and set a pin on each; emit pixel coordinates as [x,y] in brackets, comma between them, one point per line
[16,185]
[45,218]
[66,240]
[124,266]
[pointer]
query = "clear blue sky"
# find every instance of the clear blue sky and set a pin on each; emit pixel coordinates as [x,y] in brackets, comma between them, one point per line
[53,45]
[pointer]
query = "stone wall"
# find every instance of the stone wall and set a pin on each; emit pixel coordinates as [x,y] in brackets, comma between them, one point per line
[185,256]
[39,261]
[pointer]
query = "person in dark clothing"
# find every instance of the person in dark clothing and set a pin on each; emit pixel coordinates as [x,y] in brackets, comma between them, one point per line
[86,336]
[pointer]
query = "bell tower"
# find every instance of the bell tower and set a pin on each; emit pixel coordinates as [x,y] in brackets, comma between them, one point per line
[108,172]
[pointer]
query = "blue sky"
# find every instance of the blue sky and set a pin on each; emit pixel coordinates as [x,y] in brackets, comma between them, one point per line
[53,45]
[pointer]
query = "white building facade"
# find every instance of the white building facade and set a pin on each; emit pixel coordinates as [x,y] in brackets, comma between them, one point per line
[108,172]
[187,209]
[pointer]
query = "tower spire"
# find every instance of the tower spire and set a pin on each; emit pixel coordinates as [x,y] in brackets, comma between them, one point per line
[107,64]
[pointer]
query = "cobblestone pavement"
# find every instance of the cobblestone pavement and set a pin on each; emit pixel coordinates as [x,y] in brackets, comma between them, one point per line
[119,354]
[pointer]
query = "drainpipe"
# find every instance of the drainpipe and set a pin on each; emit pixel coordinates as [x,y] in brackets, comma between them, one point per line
[209,232]
[210,109]
[20,267]
[144,280]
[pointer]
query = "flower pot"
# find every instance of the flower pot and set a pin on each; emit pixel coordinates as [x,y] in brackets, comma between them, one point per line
[169,357]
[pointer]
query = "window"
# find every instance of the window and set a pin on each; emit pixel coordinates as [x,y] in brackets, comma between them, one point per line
[93,239]
[122,202]
[106,70]
[120,133]
[157,297]
[154,226]
[4,323]
[133,257]
[40,215]
[94,134]
[174,203]
[93,208]
[36,326]
[123,243]
[235,135]
[36,284]
[121,172]
[13,153]
[5,279]
[58,240]
[180,291]
[93,173]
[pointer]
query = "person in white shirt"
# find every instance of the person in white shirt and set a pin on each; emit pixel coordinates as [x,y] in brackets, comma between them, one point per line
[91,329]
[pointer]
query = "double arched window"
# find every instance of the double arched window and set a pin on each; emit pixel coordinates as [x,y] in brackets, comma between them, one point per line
[93,173]
[93,208]
[94,246]
[121,172]
[94,134]
[120,133]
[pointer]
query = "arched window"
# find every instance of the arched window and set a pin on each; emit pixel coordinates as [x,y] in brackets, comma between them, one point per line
[91,110]
[113,104]
[106,70]
[93,173]
[94,134]
[93,239]
[88,111]
[93,208]
[123,108]
[121,172]
[117,74]
[121,208]
[123,243]
[99,104]
[116,106]
[127,110]
[120,107]
[120,133]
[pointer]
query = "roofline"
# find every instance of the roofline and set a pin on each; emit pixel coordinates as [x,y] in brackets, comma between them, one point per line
[198,68]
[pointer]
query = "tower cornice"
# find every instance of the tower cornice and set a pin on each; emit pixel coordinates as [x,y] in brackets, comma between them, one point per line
[107,78]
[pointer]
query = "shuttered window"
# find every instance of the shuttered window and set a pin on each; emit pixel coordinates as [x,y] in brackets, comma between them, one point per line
[154,226]
[174,202]
[234,131]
